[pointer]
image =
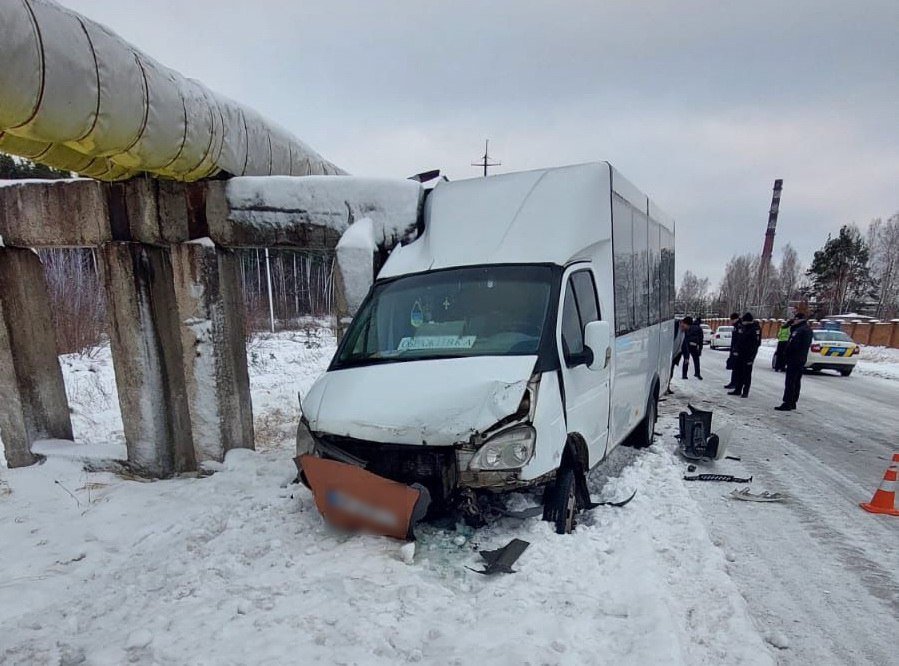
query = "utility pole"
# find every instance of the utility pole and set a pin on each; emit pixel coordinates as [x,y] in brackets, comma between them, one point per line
[485,161]
[768,247]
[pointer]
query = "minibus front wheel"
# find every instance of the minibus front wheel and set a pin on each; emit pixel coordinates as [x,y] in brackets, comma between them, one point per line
[565,497]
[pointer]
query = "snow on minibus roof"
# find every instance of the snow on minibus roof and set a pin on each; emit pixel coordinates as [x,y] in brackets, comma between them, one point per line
[516,218]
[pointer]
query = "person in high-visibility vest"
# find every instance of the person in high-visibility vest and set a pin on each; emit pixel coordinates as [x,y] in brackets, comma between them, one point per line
[780,362]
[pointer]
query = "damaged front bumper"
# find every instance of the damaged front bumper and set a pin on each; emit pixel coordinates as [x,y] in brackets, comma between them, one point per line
[489,461]
[444,470]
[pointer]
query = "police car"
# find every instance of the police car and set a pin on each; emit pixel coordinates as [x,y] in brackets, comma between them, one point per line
[832,350]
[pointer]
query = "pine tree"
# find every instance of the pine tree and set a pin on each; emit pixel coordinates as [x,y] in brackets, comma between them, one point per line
[839,272]
[12,168]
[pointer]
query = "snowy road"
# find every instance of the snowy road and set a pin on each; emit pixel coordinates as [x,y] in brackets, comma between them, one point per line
[820,575]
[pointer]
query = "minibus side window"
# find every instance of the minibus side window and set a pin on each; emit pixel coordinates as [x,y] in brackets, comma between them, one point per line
[581,306]
[572,331]
[585,291]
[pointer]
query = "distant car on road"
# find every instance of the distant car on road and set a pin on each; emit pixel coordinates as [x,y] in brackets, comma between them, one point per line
[721,337]
[706,334]
[832,350]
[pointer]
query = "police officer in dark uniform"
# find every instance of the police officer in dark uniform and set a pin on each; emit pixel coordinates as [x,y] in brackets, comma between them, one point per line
[745,350]
[692,348]
[795,356]
[734,341]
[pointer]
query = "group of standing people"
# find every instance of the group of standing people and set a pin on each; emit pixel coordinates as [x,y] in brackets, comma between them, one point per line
[793,342]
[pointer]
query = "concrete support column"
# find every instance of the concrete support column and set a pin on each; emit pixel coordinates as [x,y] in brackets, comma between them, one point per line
[213,343]
[145,337]
[33,403]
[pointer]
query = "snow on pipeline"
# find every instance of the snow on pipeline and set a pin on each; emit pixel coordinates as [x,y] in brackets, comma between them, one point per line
[240,568]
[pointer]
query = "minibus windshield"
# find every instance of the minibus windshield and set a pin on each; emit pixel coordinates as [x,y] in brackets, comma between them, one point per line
[472,311]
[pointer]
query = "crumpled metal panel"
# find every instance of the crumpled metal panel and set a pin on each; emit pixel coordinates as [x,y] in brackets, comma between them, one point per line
[76,96]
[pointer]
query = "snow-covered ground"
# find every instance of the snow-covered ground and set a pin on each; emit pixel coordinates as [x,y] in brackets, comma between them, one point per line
[239,567]
[820,575]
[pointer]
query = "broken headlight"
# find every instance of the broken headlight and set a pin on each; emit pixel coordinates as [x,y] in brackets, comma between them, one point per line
[305,440]
[510,449]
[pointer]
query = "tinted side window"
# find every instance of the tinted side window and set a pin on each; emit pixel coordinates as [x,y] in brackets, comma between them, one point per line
[641,269]
[655,278]
[585,291]
[623,248]
[572,332]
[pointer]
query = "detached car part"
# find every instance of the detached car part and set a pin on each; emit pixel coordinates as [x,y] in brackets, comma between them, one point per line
[502,559]
[354,499]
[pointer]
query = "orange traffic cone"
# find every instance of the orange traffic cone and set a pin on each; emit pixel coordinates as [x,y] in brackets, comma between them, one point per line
[884,500]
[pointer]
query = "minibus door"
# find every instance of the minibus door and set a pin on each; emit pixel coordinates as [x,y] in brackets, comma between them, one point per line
[586,390]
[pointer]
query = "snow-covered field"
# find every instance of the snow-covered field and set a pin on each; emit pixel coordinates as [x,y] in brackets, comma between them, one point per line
[239,567]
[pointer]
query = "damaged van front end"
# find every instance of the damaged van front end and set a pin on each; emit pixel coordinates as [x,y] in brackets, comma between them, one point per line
[493,458]
[451,396]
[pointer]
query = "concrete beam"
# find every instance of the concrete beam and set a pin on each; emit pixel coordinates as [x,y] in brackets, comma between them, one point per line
[266,226]
[34,404]
[53,213]
[211,313]
[145,337]
[309,212]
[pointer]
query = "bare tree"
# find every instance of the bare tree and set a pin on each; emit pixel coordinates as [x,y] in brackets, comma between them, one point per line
[883,243]
[693,293]
[789,275]
[77,299]
[738,286]
[301,286]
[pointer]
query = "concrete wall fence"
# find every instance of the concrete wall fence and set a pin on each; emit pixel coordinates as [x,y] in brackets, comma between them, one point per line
[873,333]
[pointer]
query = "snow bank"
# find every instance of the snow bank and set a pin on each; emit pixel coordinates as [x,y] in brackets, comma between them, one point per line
[880,354]
[36,181]
[240,568]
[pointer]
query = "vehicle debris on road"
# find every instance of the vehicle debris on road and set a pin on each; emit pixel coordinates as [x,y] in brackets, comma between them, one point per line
[746,496]
[717,477]
[502,559]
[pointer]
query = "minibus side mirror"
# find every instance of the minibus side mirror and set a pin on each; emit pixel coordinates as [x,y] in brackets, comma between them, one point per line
[597,338]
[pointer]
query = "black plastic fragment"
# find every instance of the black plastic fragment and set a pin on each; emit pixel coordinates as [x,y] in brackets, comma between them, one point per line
[502,559]
[718,477]
[593,505]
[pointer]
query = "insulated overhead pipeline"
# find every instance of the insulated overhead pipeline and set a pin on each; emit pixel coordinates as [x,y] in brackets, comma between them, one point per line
[76,96]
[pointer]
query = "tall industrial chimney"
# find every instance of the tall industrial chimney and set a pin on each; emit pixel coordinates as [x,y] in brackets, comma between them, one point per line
[768,248]
[768,251]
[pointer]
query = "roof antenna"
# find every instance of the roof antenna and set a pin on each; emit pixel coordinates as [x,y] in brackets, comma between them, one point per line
[485,161]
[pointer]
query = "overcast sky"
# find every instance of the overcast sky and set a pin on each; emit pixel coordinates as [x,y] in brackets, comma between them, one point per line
[702,104]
